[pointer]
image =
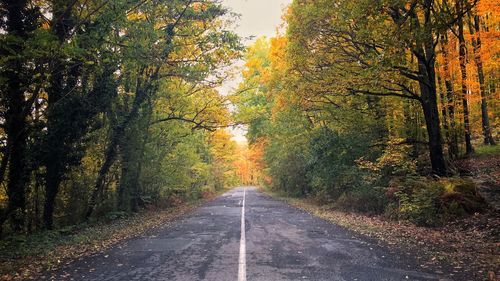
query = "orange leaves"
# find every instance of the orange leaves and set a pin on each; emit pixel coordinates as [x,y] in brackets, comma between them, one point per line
[256,154]
[249,163]
[483,55]
[489,16]
[277,52]
[491,7]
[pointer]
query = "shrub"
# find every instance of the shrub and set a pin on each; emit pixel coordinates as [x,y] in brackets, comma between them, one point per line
[369,200]
[462,194]
[429,202]
[115,215]
[207,191]
[422,206]
[332,161]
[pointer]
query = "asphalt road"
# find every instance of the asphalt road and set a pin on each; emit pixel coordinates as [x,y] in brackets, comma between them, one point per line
[280,242]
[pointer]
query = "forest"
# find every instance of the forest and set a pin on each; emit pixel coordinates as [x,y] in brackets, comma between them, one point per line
[378,107]
[109,108]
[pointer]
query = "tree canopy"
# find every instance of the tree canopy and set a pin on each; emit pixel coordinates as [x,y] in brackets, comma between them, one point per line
[353,100]
[111,105]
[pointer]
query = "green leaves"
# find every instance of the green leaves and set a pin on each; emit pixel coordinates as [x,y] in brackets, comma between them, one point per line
[115,98]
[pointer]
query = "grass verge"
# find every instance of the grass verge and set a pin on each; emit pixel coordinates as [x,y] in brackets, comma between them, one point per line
[488,150]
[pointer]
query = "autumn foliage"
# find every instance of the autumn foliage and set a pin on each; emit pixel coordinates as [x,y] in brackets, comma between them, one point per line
[354,101]
[110,107]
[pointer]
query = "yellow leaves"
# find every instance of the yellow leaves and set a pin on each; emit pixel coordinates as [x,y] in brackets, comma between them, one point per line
[222,145]
[257,61]
[225,152]
[277,52]
[136,16]
[280,103]
[3,197]
[267,67]
[197,6]
[249,162]
[43,95]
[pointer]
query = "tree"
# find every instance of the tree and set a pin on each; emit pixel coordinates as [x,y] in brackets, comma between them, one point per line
[81,86]
[463,71]
[382,48]
[18,21]
[474,29]
[86,88]
[186,41]
[449,100]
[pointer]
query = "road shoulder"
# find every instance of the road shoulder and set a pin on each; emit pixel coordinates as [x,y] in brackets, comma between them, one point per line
[62,247]
[446,250]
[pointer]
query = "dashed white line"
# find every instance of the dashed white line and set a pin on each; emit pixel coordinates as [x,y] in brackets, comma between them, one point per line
[242,262]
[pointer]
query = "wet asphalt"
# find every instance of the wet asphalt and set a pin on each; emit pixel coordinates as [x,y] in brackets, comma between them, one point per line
[282,243]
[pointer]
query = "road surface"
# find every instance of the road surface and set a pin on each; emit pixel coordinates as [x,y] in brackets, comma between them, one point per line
[279,242]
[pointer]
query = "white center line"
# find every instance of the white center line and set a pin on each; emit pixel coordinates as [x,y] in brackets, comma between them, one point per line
[242,262]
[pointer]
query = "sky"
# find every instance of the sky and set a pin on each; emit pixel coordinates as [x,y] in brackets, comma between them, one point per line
[257,18]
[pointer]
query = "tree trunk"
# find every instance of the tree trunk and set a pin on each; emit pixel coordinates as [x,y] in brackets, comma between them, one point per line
[3,164]
[143,89]
[431,115]
[444,114]
[138,191]
[52,182]
[469,149]
[425,54]
[450,103]
[109,159]
[54,159]
[54,143]
[128,179]
[476,44]
[129,192]
[17,177]
[15,121]
[428,95]
[112,149]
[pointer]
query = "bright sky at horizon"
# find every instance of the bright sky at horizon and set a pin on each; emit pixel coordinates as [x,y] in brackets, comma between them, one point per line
[257,18]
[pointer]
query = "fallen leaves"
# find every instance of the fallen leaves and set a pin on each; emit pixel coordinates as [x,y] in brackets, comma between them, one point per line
[88,241]
[465,248]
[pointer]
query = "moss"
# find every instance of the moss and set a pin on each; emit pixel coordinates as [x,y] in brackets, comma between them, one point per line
[430,202]
[488,150]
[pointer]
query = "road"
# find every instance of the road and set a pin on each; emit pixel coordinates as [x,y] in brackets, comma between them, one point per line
[280,242]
